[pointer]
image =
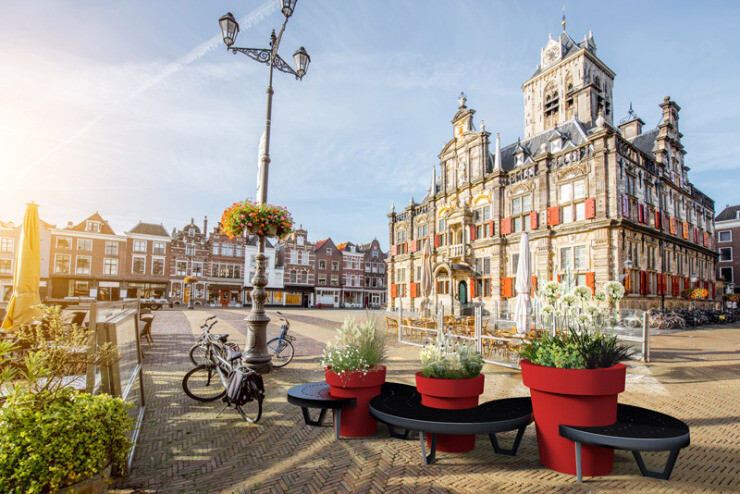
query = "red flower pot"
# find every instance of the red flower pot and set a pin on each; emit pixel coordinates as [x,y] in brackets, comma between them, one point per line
[450,394]
[356,422]
[583,397]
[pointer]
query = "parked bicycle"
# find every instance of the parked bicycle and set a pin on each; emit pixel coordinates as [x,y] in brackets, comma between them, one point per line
[236,384]
[281,348]
[199,352]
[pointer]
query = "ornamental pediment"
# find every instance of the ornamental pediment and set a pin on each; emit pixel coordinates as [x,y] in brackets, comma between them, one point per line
[522,188]
[572,171]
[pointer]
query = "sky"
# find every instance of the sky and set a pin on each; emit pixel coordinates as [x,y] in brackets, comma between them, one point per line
[136,110]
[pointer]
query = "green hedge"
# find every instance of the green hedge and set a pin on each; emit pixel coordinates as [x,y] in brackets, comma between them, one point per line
[45,446]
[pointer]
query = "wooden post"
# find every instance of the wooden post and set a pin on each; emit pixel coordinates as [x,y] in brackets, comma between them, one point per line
[92,348]
[400,318]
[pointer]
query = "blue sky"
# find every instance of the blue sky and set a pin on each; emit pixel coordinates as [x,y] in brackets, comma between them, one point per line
[136,110]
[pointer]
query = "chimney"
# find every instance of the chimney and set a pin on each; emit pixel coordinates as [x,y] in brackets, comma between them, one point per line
[70,224]
[205,224]
[632,128]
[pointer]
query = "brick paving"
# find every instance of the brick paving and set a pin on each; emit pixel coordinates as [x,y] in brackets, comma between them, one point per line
[184,448]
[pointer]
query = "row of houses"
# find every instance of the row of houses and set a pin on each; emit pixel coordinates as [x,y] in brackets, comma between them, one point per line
[90,260]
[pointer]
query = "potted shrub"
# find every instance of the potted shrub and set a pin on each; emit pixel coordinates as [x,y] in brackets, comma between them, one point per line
[352,368]
[574,379]
[451,379]
[52,437]
[256,219]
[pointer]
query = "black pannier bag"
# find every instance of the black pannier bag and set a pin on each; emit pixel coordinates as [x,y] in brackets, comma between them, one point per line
[243,387]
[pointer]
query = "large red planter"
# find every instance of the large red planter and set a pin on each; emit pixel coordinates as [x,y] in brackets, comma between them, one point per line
[356,422]
[450,394]
[583,397]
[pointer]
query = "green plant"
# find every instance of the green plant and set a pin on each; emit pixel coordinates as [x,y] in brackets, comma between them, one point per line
[575,350]
[448,357]
[70,438]
[359,347]
[50,434]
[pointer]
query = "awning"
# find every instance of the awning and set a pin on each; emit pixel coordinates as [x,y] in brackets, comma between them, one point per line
[224,287]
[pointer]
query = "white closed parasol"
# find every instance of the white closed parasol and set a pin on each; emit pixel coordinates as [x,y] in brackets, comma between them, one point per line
[523,309]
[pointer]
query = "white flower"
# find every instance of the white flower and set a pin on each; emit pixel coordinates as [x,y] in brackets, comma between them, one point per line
[582,293]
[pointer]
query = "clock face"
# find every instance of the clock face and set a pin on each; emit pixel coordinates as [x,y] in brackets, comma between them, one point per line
[551,55]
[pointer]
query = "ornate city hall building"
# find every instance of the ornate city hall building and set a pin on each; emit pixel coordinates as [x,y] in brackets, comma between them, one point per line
[601,201]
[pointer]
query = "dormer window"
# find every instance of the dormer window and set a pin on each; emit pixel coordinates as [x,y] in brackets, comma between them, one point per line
[191,232]
[556,145]
[92,226]
[520,158]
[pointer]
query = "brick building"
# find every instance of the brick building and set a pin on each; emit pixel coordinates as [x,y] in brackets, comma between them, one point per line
[374,274]
[224,275]
[274,271]
[190,254]
[299,273]
[599,200]
[148,260]
[353,276]
[727,224]
[328,273]
[88,260]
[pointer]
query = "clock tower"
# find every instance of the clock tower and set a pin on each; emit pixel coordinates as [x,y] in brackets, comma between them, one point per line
[570,82]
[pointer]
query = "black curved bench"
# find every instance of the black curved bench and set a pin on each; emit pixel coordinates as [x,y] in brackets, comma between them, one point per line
[316,395]
[399,405]
[637,429]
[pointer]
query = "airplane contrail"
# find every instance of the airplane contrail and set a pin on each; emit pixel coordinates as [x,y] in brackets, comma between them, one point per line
[196,53]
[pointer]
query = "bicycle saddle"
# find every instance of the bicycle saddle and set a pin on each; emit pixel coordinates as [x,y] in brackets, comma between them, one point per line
[222,337]
[233,354]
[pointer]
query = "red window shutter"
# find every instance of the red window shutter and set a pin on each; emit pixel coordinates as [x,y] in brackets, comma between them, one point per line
[506,226]
[472,287]
[590,208]
[643,283]
[534,220]
[436,241]
[674,227]
[553,216]
[393,250]
[412,246]
[490,229]
[559,277]
[685,230]
[534,286]
[472,232]
[591,282]
[676,288]
[706,238]
[658,223]
[506,287]
[713,293]
[394,290]
[640,213]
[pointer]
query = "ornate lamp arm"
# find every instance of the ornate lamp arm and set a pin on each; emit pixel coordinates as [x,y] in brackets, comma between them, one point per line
[262,55]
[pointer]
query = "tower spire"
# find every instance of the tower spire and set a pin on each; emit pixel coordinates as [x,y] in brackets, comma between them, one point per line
[497,157]
[563,17]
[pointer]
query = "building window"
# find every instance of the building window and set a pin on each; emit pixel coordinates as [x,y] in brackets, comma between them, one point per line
[181,268]
[158,267]
[521,207]
[84,244]
[159,248]
[334,280]
[725,236]
[191,232]
[421,232]
[215,248]
[335,265]
[322,279]
[110,267]
[227,250]
[375,254]
[111,248]
[6,244]
[401,236]
[237,251]
[64,243]
[139,245]
[92,226]
[328,251]
[197,268]
[138,265]
[82,264]
[481,218]
[551,106]
[572,259]
[401,275]
[572,198]
[322,264]
[725,254]
[61,264]
[725,274]
[441,225]
[6,266]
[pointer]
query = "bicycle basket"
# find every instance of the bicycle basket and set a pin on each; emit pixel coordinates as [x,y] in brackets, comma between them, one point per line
[243,387]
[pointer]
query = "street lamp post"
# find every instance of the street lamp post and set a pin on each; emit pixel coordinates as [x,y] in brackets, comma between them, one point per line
[256,356]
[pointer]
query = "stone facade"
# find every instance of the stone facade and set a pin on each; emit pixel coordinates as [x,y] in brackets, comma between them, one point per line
[599,201]
[728,248]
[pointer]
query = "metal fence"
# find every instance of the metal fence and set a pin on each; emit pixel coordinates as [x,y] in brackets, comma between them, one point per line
[495,336]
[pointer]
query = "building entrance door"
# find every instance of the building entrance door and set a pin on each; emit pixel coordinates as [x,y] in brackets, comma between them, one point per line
[224,296]
[463,292]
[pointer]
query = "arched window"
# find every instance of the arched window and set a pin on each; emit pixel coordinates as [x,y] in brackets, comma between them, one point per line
[551,105]
[569,106]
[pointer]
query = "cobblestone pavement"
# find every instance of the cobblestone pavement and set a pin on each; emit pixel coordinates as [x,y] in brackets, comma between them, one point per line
[184,448]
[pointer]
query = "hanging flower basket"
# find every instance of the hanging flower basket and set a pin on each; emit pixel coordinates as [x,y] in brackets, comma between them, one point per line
[190,279]
[256,219]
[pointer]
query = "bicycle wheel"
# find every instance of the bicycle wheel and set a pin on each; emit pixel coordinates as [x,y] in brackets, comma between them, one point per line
[199,352]
[281,350]
[203,383]
[251,411]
